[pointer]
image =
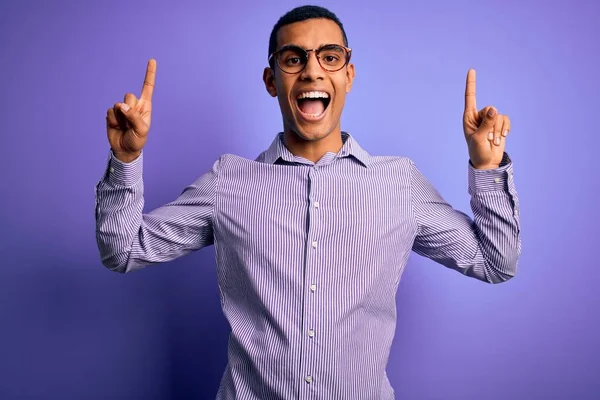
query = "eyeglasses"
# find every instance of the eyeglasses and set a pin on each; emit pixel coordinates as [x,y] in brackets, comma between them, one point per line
[293,59]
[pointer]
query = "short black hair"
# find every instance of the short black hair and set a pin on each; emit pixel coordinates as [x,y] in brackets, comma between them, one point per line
[303,13]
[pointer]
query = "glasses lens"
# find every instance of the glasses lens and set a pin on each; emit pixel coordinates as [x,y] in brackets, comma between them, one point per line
[291,59]
[332,57]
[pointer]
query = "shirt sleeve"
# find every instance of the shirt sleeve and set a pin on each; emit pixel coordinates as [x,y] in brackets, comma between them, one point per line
[486,247]
[128,239]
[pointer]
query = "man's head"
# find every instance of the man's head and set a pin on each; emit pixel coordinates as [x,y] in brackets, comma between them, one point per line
[311,86]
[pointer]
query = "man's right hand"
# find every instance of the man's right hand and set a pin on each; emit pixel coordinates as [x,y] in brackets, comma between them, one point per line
[128,123]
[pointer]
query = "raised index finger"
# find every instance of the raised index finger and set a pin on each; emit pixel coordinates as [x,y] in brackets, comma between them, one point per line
[148,86]
[470,103]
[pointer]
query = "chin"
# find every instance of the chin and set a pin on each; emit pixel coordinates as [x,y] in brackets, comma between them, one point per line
[312,133]
[312,130]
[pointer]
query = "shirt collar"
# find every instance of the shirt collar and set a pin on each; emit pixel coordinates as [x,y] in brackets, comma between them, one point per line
[277,150]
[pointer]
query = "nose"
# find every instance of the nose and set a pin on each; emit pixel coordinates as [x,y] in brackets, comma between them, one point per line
[312,70]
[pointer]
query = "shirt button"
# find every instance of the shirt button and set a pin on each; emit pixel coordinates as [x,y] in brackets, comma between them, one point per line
[308,379]
[313,287]
[311,333]
[316,204]
[112,169]
[497,180]
[314,245]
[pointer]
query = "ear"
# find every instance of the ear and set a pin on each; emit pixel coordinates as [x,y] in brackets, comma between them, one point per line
[349,77]
[269,79]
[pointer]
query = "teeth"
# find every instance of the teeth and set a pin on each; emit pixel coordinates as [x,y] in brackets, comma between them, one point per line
[313,95]
[313,115]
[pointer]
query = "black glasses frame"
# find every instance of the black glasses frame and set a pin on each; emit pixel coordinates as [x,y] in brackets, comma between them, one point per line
[274,55]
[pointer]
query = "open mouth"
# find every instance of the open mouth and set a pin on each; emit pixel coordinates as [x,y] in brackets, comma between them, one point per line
[312,105]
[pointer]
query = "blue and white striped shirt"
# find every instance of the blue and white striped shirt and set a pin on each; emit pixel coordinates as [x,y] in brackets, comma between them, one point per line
[309,256]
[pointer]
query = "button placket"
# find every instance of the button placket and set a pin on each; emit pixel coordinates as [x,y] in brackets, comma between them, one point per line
[309,333]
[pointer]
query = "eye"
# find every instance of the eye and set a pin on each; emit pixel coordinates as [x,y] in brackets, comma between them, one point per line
[293,60]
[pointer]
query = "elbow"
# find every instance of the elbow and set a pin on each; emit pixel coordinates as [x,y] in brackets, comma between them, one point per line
[500,278]
[117,263]
[493,270]
[502,271]
[120,268]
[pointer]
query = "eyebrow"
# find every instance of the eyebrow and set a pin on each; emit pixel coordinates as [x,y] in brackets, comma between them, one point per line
[297,45]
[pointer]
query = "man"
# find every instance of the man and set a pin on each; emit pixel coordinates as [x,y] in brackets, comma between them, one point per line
[311,238]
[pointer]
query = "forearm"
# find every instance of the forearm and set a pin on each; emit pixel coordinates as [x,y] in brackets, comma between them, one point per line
[119,207]
[495,206]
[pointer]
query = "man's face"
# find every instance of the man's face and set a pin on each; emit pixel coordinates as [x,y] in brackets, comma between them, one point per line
[306,118]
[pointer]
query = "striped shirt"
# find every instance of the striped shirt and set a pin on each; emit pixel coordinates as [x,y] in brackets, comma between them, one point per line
[309,256]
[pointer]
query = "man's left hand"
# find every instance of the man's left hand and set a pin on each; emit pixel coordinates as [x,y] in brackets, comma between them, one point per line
[485,130]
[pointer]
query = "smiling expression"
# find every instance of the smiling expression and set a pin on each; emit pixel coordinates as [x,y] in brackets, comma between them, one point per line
[311,101]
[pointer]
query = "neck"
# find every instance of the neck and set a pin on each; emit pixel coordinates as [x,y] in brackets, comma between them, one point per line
[312,150]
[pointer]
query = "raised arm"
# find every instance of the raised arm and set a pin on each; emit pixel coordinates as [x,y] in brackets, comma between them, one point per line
[486,247]
[127,238]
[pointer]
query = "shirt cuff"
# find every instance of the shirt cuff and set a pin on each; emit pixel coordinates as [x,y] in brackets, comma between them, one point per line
[119,173]
[487,180]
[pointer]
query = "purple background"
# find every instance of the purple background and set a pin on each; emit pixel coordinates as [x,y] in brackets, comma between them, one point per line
[71,329]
